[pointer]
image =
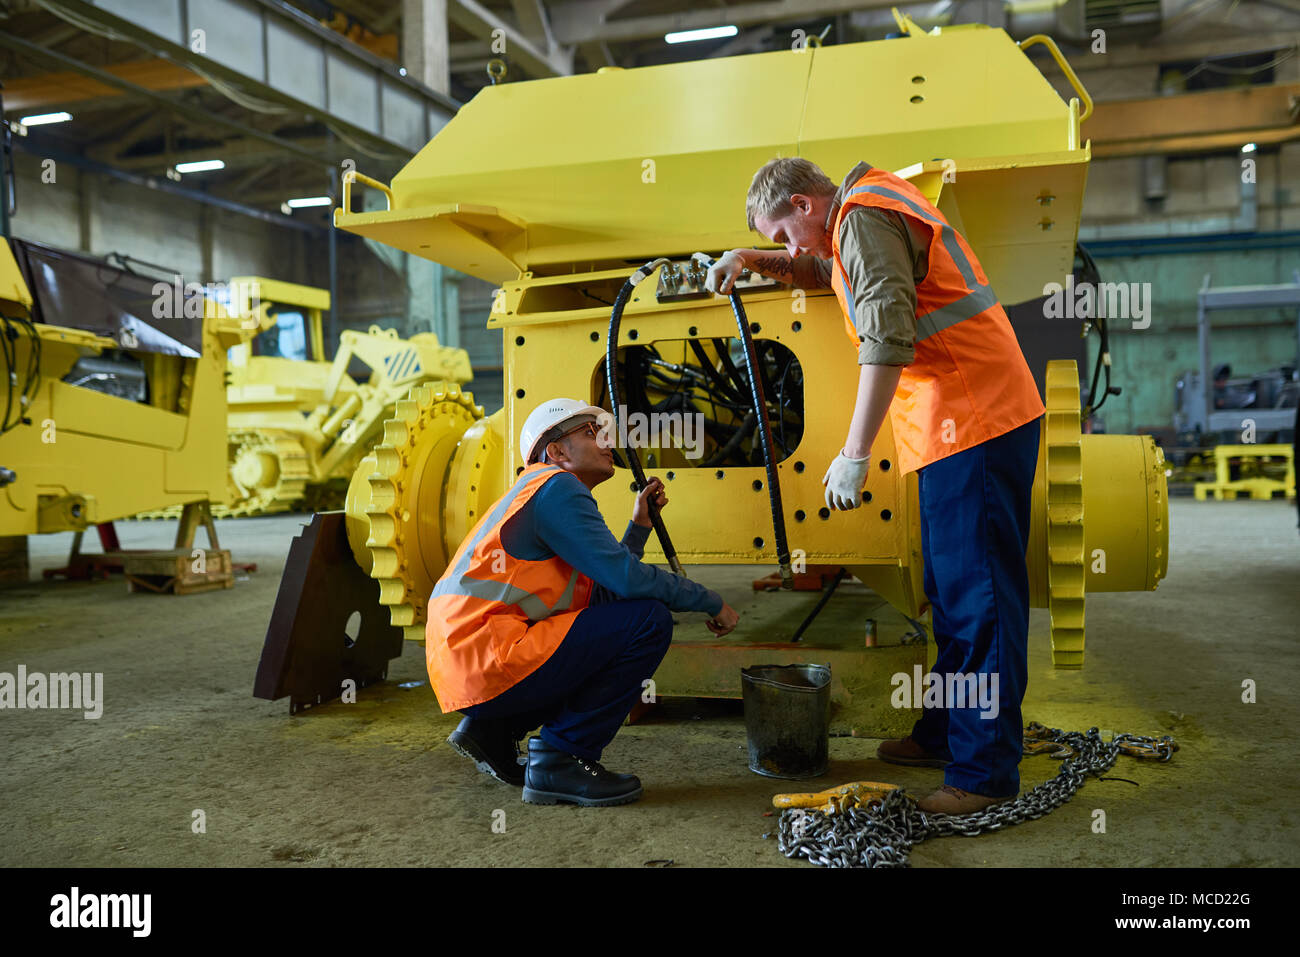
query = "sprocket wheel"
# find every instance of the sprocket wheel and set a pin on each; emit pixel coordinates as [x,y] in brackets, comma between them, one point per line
[268,473]
[410,492]
[1064,492]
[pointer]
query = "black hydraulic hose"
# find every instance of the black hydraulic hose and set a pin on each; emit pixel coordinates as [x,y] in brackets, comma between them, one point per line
[764,433]
[723,386]
[733,373]
[611,381]
[733,443]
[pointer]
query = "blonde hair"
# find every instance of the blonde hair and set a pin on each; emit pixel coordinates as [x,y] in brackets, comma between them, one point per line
[778,180]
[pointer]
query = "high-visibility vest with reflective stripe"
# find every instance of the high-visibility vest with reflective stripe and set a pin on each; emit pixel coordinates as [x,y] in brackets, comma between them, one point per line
[968,381]
[494,619]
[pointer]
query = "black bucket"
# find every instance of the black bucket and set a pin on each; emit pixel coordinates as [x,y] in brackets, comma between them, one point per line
[787,719]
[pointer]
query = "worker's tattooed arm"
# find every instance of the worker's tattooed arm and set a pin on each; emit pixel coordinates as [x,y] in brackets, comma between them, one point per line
[806,272]
[769,263]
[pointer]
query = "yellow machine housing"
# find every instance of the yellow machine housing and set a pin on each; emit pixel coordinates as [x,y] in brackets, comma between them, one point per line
[655,162]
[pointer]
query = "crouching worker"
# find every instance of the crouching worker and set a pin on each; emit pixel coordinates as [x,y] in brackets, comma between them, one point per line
[542,618]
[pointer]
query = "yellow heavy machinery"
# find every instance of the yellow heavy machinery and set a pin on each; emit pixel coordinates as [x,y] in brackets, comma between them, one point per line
[298,424]
[652,165]
[114,393]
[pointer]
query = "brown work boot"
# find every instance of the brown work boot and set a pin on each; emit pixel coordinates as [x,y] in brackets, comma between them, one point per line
[951,800]
[907,751]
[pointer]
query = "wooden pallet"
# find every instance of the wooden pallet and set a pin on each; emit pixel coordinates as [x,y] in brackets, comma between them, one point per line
[178,571]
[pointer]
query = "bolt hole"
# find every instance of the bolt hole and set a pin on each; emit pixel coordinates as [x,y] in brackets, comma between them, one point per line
[718,474]
[823,513]
[866,496]
[519,340]
[631,334]
[884,465]
[799,515]
[755,328]
[796,325]
[758,543]
[595,337]
[519,393]
[886,514]
[758,486]
[918,79]
[798,466]
[692,332]
[671,476]
[918,99]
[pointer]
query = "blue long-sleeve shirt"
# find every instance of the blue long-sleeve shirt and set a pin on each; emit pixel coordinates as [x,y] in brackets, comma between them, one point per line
[562,519]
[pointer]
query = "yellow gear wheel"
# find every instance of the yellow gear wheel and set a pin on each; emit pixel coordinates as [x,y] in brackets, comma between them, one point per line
[1063,491]
[415,497]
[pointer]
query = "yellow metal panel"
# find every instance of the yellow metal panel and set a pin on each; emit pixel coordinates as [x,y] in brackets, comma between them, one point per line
[12,286]
[975,94]
[580,170]
[78,411]
[279,291]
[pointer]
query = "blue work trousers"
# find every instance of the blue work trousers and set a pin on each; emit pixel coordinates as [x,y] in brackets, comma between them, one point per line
[581,694]
[974,533]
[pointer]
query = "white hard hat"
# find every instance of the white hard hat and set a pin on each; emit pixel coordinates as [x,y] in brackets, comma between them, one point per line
[537,430]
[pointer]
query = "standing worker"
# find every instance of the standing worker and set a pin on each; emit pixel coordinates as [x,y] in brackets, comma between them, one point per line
[937,353]
[542,618]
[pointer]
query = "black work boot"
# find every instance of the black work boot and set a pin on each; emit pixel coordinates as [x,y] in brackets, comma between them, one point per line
[492,745]
[555,776]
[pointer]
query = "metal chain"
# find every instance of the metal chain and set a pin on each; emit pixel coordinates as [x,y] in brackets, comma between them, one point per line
[882,834]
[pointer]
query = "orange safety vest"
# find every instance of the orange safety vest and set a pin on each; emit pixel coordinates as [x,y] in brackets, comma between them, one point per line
[968,381]
[494,619]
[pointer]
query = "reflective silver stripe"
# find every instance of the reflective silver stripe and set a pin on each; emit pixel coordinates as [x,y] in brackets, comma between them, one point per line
[946,233]
[456,582]
[844,278]
[945,317]
[980,297]
[508,594]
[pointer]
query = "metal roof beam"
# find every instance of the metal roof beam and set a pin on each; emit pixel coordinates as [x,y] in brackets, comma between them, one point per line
[557,60]
[274,52]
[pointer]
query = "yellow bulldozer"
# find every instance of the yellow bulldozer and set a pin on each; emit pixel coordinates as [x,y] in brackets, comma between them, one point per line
[298,424]
[641,178]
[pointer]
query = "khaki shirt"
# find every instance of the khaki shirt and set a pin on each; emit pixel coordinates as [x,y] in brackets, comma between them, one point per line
[885,255]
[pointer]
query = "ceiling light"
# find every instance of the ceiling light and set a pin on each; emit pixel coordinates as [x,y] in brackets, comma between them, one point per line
[710,33]
[40,119]
[310,201]
[202,166]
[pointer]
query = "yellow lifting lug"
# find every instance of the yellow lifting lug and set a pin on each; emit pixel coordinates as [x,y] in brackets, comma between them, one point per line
[353,176]
[1055,51]
[906,24]
[838,799]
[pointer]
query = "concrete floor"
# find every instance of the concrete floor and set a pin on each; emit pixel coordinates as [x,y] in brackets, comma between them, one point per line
[372,783]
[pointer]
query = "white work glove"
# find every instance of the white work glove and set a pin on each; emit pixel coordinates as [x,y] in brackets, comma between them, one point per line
[722,274]
[844,481]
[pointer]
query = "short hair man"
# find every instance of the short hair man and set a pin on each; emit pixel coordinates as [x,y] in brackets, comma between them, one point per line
[542,618]
[937,354]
